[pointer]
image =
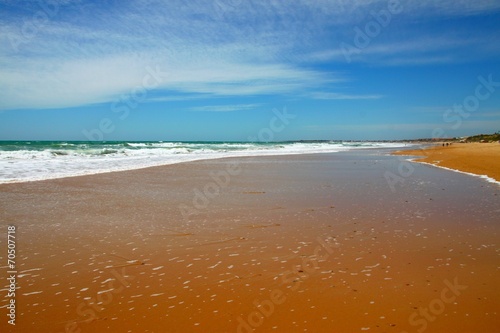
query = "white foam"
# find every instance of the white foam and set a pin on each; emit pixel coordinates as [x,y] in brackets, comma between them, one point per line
[31,165]
[485,177]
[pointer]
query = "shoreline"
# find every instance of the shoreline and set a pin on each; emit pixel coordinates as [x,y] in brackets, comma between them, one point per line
[484,177]
[205,158]
[475,159]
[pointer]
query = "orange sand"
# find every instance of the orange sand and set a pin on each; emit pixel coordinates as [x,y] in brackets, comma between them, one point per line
[291,244]
[477,158]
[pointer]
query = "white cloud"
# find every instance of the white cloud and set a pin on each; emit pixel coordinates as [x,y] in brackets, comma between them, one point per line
[37,84]
[92,53]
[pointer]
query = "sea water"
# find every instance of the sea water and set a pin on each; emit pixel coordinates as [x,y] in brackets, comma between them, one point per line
[22,161]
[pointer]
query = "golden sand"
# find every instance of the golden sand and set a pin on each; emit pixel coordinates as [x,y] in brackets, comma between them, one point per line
[476,158]
[325,247]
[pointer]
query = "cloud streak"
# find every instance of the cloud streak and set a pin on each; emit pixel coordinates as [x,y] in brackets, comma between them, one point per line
[225,108]
[339,96]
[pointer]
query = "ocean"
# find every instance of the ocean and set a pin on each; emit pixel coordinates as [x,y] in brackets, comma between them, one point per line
[22,161]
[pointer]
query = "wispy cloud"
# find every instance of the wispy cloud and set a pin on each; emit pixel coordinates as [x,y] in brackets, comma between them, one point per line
[426,128]
[413,51]
[225,108]
[334,96]
[429,109]
[42,84]
[95,52]
[492,114]
[452,7]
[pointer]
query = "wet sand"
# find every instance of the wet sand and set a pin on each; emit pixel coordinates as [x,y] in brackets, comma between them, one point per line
[309,243]
[476,158]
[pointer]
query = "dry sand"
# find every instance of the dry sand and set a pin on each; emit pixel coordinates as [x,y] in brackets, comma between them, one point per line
[314,243]
[476,158]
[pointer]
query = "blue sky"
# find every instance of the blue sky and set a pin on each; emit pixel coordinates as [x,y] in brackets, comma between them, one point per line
[216,70]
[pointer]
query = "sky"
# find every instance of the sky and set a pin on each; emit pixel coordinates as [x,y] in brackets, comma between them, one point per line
[237,70]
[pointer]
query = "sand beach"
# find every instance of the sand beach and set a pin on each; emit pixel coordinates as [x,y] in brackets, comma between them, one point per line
[249,166]
[476,158]
[305,243]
